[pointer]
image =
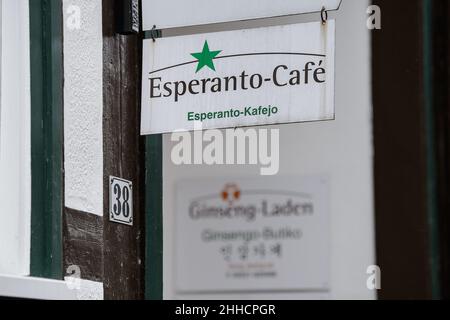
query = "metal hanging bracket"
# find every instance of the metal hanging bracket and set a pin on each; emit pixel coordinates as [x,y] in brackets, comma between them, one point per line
[324,16]
[153,34]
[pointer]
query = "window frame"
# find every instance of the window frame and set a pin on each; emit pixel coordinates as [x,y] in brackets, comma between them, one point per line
[15,176]
[46,46]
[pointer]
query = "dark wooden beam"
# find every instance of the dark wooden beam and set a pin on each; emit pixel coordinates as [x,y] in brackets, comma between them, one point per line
[401,168]
[124,246]
[83,243]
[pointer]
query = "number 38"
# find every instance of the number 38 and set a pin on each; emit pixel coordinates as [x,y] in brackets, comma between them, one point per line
[122,205]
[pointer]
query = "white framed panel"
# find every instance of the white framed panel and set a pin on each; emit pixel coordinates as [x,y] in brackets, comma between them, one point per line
[15,175]
[341,149]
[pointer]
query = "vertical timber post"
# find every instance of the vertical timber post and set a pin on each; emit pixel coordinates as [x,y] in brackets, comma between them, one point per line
[124,246]
[405,195]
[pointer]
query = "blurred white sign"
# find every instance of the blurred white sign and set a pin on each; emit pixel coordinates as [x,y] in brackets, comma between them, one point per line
[260,76]
[180,13]
[268,234]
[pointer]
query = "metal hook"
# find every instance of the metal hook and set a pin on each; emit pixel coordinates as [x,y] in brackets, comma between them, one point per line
[153,33]
[324,15]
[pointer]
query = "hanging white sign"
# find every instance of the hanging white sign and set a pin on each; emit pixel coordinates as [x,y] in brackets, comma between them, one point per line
[261,76]
[182,13]
[253,235]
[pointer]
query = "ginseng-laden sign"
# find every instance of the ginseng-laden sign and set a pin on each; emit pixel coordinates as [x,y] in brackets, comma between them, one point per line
[261,76]
[244,235]
[182,13]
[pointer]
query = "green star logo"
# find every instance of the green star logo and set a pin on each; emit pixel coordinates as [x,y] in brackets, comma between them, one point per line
[205,58]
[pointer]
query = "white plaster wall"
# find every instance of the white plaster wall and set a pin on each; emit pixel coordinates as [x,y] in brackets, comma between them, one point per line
[83,107]
[1,19]
[341,149]
[45,289]
[15,176]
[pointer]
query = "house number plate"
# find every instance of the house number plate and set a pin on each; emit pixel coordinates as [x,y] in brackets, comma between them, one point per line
[121,201]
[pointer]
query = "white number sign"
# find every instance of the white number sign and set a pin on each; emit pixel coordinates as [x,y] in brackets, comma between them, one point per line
[121,201]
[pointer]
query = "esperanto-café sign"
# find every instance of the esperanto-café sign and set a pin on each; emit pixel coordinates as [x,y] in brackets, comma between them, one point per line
[272,75]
